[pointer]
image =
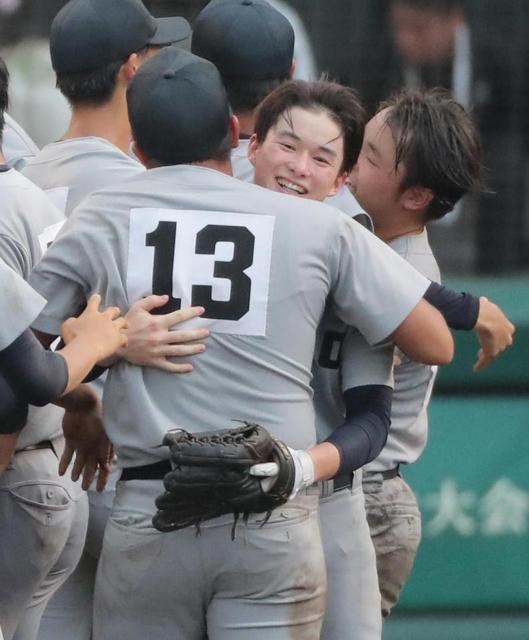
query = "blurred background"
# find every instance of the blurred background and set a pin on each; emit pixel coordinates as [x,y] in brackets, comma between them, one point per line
[471,579]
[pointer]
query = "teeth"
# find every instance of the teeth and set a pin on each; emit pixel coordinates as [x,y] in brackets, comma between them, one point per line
[286,184]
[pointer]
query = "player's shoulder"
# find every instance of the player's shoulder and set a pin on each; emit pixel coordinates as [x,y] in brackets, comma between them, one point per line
[416,250]
[14,182]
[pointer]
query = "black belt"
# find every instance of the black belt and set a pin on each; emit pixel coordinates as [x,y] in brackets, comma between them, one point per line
[338,483]
[155,471]
[390,473]
[158,470]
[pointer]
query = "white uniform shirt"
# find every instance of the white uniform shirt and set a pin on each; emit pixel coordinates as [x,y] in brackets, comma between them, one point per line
[413,381]
[262,263]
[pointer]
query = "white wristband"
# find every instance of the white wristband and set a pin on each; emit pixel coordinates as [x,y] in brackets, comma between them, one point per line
[304,470]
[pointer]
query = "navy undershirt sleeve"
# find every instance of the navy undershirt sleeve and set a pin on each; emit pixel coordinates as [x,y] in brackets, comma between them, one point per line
[13,411]
[364,433]
[36,376]
[460,310]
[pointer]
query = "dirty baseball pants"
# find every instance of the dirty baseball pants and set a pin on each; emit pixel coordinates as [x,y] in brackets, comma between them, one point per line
[353,598]
[43,521]
[395,524]
[269,582]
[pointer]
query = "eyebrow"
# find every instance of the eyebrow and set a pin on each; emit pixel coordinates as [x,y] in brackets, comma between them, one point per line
[322,148]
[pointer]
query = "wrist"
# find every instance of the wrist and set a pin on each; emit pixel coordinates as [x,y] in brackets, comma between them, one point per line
[304,470]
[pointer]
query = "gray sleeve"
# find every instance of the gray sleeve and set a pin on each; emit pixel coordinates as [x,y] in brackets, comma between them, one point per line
[363,364]
[373,288]
[62,277]
[19,305]
[15,255]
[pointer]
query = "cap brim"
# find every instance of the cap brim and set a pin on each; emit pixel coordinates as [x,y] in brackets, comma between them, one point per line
[170,31]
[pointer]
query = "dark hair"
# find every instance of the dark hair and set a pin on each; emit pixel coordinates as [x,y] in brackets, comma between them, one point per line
[246,95]
[438,145]
[92,88]
[438,6]
[221,153]
[4,97]
[339,102]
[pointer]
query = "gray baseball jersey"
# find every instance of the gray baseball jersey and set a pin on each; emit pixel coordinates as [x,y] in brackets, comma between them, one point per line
[20,305]
[70,170]
[242,252]
[413,381]
[28,218]
[242,167]
[17,146]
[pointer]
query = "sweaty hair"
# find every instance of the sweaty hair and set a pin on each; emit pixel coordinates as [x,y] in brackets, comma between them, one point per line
[339,102]
[437,144]
[92,88]
[4,99]
[438,6]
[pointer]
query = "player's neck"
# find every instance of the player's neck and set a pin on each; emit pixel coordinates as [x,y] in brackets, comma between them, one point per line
[246,122]
[109,121]
[397,227]
[218,165]
[2,157]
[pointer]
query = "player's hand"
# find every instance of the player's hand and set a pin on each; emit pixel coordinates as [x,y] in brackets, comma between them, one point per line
[495,332]
[8,443]
[102,331]
[304,471]
[87,445]
[150,338]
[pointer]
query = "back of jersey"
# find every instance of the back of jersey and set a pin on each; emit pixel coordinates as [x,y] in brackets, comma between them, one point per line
[70,170]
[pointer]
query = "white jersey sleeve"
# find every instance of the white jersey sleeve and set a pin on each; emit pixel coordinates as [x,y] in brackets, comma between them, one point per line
[17,146]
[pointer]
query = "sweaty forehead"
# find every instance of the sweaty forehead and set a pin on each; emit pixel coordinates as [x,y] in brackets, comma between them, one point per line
[313,126]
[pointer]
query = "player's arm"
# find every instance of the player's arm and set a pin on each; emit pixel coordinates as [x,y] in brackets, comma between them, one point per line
[360,438]
[424,336]
[377,291]
[39,376]
[13,416]
[466,312]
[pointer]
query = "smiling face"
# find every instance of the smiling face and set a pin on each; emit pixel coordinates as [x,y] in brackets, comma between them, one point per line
[302,155]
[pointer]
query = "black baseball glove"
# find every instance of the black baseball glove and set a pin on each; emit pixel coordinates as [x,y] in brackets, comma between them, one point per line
[211,476]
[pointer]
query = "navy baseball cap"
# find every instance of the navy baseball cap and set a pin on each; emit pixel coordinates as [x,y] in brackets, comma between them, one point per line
[178,108]
[89,34]
[245,39]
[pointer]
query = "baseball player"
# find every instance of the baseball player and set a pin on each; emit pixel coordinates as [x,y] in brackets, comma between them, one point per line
[94,58]
[176,220]
[421,154]
[248,60]
[56,515]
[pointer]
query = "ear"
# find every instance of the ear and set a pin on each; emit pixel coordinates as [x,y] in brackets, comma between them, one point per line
[235,130]
[130,67]
[141,155]
[417,199]
[338,184]
[252,148]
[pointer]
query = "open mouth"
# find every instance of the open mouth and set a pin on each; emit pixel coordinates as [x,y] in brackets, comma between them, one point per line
[291,187]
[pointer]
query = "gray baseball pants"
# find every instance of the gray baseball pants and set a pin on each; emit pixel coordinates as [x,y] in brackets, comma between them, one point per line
[267,583]
[395,523]
[43,521]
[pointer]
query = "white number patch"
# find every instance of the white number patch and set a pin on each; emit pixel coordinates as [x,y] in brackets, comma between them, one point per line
[217,260]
